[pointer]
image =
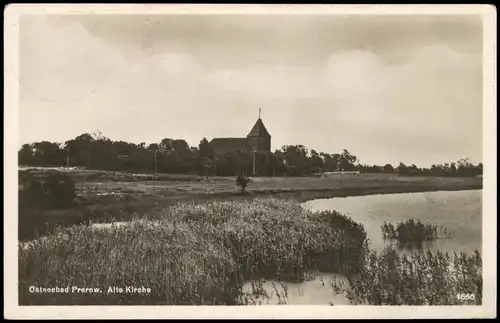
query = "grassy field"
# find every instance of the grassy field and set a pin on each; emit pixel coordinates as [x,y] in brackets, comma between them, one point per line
[113,196]
[93,185]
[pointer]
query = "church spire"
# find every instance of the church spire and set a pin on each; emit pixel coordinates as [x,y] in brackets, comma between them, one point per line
[258,129]
[259,112]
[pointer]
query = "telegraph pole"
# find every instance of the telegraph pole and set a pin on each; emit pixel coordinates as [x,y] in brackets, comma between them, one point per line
[67,157]
[155,161]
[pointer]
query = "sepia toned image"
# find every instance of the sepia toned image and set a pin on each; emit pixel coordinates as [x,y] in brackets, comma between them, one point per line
[252,158]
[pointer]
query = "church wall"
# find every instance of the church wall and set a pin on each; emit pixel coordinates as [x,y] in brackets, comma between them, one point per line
[260,143]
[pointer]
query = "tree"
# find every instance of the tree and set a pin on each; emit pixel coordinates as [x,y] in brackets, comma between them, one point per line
[316,161]
[154,150]
[263,163]
[347,161]
[278,163]
[222,166]
[25,156]
[402,169]
[205,156]
[180,145]
[436,170]
[480,168]
[330,162]
[166,144]
[79,150]
[234,163]
[466,168]
[296,160]
[388,169]
[206,164]
[177,157]
[47,153]
[206,149]
[453,169]
[413,169]
[103,153]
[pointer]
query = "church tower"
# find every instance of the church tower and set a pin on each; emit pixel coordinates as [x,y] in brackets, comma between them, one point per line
[259,138]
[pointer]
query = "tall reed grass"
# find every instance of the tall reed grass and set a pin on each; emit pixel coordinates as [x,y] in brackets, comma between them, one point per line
[203,254]
[413,232]
[191,254]
[427,278]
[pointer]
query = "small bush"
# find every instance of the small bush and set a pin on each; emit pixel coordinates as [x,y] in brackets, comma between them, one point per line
[411,232]
[242,183]
[38,194]
[53,191]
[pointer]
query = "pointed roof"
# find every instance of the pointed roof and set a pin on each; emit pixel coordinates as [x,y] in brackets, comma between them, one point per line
[258,129]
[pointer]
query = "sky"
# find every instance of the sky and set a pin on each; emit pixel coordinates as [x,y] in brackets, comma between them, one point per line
[389,89]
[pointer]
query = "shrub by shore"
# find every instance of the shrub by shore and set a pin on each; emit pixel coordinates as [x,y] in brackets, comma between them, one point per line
[412,232]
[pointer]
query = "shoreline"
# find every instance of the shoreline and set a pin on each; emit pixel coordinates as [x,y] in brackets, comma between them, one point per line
[304,195]
[111,210]
[299,196]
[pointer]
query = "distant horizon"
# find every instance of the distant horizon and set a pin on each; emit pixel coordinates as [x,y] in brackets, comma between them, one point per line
[325,82]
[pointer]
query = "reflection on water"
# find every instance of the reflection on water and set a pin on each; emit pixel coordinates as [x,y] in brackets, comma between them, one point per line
[459,212]
[316,291]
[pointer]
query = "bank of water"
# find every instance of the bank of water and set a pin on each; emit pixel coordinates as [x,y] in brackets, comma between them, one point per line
[315,290]
[460,212]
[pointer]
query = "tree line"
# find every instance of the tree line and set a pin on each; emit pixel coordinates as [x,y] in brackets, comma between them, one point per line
[95,151]
[461,168]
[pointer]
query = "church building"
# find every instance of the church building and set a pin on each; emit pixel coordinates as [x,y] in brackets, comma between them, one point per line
[258,139]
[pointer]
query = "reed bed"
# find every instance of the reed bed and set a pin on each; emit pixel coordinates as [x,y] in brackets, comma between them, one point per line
[427,278]
[413,232]
[190,254]
[202,254]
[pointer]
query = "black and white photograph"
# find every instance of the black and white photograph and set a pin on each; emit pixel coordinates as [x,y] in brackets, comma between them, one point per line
[268,156]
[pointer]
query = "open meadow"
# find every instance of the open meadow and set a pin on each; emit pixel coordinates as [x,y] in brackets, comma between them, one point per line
[115,196]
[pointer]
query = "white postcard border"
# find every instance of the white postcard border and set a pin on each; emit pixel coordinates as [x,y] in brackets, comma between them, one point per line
[11,61]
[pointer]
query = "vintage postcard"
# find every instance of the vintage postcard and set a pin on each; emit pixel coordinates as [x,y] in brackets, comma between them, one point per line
[250,161]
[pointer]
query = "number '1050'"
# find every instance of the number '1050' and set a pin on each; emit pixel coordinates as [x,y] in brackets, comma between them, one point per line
[465,297]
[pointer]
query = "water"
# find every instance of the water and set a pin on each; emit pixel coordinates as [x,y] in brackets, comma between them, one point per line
[457,211]
[316,291]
